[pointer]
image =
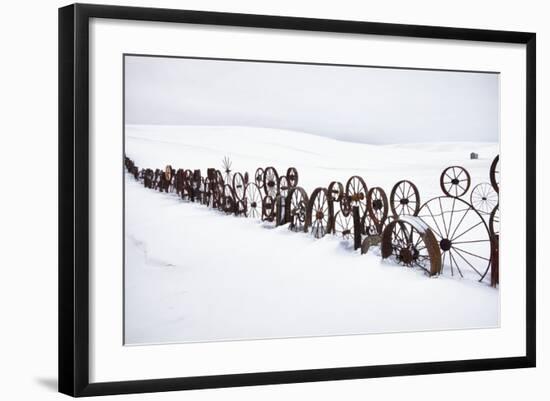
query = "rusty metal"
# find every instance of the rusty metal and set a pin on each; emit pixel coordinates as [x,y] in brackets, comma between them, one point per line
[238,185]
[410,241]
[484,198]
[319,213]
[259,177]
[404,199]
[271,182]
[284,186]
[463,236]
[345,204]
[370,241]
[355,211]
[356,191]
[268,208]
[254,201]
[455,181]
[377,208]
[494,174]
[292,176]
[296,211]
[343,225]
[336,191]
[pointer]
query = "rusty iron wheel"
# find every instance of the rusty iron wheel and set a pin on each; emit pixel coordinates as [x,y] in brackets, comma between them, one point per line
[297,201]
[320,213]
[268,206]
[343,225]
[356,191]
[455,181]
[259,177]
[238,185]
[462,233]
[483,198]
[377,207]
[494,174]
[292,176]
[404,199]
[254,201]
[411,243]
[494,222]
[271,182]
[336,191]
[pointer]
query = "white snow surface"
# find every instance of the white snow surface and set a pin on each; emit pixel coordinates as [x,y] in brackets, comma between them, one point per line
[194,274]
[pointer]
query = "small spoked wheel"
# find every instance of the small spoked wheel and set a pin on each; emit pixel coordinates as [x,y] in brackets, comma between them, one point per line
[412,245]
[254,201]
[268,206]
[336,191]
[494,174]
[319,213]
[259,177]
[271,182]
[292,176]
[343,225]
[404,199]
[297,201]
[455,181]
[484,198]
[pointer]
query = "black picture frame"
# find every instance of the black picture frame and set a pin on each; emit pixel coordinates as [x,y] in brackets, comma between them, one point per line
[74,198]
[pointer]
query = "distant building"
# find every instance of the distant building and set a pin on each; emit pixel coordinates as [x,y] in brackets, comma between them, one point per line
[473,155]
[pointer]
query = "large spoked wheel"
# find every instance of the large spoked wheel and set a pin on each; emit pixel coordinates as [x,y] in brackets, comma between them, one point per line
[271,182]
[377,207]
[297,201]
[292,176]
[319,213]
[356,191]
[462,234]
[343,225]
[483,198]
[238,185]
[404,199]
[494,174]
[455,181]
[410,242]
[254,201]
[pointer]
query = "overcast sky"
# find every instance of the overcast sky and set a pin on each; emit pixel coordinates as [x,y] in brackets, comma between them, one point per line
[362,104]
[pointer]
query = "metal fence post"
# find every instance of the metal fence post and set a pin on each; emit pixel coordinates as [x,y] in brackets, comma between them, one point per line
[356,228]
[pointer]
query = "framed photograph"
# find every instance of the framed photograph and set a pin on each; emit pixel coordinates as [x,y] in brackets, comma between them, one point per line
[251,199]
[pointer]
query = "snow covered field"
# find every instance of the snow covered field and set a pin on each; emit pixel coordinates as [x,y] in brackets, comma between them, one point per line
[196,274]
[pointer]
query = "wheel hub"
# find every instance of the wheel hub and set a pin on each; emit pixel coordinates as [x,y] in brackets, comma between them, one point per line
[320,215]
[271,184]
[253,204]
[455,181]
[406,256]
[404,201]
[377,204]
[445,244]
